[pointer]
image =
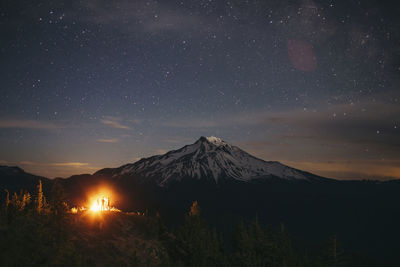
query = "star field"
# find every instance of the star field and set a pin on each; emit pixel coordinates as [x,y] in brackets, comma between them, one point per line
[91,84]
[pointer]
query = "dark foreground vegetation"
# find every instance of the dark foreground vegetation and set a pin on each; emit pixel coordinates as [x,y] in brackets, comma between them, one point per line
[36,230]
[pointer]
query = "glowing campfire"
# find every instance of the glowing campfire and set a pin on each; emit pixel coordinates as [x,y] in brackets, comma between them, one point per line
[97,202]
[101,204]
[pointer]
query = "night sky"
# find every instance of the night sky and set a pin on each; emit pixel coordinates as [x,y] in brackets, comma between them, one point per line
[97,83]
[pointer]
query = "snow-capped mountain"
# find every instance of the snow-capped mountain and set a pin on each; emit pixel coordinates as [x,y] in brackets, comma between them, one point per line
[208,157]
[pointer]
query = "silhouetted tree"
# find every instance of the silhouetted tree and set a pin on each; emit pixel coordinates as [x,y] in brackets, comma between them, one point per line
[58,206]
[40,200]
[7,202]
[333,255]
[194,209]
[58,211]
[202,246]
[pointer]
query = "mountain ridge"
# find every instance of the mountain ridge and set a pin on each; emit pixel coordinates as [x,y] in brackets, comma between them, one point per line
[207,158]
[359,211]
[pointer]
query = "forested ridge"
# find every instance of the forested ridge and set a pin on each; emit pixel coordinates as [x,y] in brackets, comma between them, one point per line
[40,230]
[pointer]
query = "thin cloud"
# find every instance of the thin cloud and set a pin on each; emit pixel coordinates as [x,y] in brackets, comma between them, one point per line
[114,123]
[369,141]
[111,140]
[352,169]
[148,16]
[70,164]
[61,164]
[57,169]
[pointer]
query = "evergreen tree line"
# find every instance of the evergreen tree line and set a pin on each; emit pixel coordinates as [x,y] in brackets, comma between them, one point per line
[252,245]
[35,231]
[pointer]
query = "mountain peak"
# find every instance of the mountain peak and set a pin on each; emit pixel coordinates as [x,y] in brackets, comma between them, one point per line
[213,140]
[208,158]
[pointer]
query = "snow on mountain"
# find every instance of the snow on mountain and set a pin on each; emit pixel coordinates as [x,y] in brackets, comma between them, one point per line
[215,140]
[208,157]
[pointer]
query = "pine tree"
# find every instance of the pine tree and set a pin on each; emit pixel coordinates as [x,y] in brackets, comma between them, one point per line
[5,214]
[332,254]
[202,245]
[26,199]
[58,205]
[7,203]
[40,200]
[286,253]
[58,211]
[7,198]
[20,201]
[194,209]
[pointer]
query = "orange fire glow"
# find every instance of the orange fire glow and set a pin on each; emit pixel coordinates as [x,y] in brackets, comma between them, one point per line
[100,204]
[98,201]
